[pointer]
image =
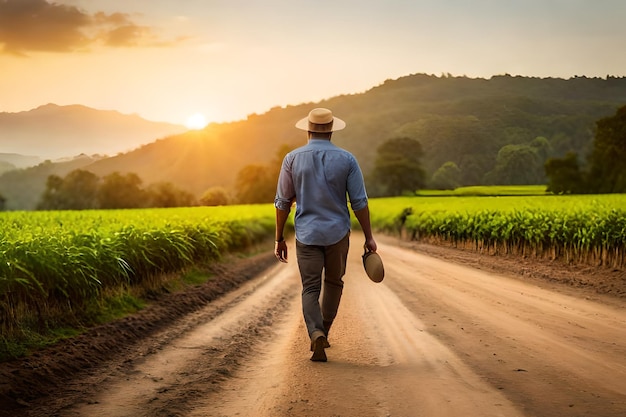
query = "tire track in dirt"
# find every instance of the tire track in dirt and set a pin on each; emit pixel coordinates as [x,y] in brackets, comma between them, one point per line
[439,339]
[169,381]
[382,362]
[552,353]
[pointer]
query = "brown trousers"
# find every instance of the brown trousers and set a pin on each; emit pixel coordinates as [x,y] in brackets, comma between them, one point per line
[315,262]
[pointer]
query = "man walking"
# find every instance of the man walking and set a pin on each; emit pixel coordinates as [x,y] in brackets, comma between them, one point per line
[320,177]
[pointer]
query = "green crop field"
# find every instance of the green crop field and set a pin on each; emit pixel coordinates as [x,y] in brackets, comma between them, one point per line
[487,190]
[587,229]
[57,264]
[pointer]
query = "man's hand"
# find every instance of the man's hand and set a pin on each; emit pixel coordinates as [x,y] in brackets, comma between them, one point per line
[280,250]
[370,244]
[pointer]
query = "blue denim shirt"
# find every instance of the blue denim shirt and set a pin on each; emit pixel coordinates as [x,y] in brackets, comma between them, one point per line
[320,177]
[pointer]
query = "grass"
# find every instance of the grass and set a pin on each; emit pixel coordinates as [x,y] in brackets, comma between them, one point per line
[196,276]
[114,307]
[491,190]
[11,348]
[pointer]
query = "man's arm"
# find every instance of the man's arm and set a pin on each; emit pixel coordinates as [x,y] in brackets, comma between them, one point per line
[363,216]
[280,247]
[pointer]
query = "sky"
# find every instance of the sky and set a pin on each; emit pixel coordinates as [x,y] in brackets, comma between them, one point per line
[224,60]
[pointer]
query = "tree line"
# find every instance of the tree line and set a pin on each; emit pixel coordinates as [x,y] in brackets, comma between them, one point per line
[603,171]
[398,169]
[82,190]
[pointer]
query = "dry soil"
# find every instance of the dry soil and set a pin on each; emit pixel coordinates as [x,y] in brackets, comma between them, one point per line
[447,333]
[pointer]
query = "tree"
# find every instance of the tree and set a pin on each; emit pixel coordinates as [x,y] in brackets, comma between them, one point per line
[517,165]
[51,198]
[471,169]
[564,175]
[447,177]
[607,168]
[255,185]
[215,196]
[121,191]
[166,194]
[77,191]
[542,147]
[397,167]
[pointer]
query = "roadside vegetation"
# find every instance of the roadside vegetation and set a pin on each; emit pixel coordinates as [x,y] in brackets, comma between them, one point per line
[61,271]
[585,229]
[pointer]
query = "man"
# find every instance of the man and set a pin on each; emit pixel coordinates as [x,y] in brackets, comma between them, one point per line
[320,177]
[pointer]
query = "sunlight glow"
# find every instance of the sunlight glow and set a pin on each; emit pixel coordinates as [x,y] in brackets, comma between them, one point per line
[196,121]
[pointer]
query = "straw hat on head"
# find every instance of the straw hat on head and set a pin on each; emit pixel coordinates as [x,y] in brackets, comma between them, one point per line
[320,120]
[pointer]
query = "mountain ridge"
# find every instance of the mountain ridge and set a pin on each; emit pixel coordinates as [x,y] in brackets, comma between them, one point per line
[53,131]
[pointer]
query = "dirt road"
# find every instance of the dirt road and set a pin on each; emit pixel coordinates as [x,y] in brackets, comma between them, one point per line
[434,339]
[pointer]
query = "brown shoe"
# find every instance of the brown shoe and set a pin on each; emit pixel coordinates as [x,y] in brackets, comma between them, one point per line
[326,344]
[317,346]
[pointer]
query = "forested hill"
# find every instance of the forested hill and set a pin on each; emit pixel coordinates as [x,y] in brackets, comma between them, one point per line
[497,131]
[471,121]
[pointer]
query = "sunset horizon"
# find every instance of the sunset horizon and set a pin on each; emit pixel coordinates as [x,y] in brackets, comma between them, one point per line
[169,62]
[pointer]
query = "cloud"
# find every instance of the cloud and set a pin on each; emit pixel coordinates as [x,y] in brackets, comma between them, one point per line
[40,26]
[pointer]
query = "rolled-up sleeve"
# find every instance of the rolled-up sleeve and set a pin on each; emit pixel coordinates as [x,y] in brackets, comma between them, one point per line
[356,187]
[285,191]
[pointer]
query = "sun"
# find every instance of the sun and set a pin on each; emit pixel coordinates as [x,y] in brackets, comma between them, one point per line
[196,121]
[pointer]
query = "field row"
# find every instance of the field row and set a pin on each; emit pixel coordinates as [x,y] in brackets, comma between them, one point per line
[587,229]
[66,260]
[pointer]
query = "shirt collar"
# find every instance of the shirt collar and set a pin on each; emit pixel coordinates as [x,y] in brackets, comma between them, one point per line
[318,140]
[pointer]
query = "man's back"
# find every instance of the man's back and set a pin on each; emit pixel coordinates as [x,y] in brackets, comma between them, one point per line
[321,176]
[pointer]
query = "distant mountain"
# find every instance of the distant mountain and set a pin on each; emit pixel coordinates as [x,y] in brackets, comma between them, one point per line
[20,161]
[496,131]
[53,132]
[10,161]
